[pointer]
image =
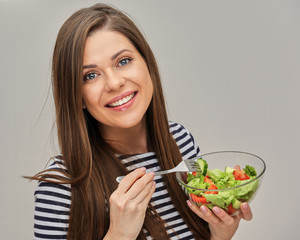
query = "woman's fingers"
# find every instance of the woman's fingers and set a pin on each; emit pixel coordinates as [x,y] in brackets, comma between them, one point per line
[128,204]
[223,216]
[130,179]
[144,202]
[221,224]
[246,211]
[136,185]
[204,213]
[140,185]
[216,216]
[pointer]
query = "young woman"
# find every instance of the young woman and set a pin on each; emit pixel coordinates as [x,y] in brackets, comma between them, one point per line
[111,121]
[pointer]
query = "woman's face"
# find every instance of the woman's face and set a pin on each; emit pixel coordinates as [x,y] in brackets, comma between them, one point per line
[117,85]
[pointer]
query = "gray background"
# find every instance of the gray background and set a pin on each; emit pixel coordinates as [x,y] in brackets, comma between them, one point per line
[230,71]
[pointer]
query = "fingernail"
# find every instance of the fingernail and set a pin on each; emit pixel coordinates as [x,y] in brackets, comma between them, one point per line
[217,210]
[203,209]
[152,173]
[189,203]
[143,169]
[245,206]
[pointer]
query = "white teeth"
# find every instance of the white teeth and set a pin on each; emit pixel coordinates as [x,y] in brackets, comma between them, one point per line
[121,101]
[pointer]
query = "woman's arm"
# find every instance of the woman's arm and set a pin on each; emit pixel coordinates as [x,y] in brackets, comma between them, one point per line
[52,207]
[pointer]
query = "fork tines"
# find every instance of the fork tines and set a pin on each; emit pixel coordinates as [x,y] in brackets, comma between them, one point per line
[192,165]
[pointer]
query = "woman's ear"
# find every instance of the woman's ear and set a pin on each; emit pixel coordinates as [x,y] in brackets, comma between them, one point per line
[83,105]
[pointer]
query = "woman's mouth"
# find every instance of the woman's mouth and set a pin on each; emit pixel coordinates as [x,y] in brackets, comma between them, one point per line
[121,101]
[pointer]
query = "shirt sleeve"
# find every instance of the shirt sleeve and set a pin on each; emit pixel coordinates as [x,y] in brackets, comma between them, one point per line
[52,208]
[185,140]
[196,147]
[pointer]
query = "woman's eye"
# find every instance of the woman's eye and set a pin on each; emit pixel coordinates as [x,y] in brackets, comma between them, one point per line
[90,76]
[124,62]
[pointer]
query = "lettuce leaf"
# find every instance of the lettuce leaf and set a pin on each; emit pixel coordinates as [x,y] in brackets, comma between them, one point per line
[197,182]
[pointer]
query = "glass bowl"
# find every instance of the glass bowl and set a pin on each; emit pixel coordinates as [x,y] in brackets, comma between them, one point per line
[230,190]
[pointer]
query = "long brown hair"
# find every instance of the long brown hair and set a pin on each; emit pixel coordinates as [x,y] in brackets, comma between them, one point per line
[90,162]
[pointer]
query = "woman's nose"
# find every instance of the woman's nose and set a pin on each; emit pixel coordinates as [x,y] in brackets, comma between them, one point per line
[113,82]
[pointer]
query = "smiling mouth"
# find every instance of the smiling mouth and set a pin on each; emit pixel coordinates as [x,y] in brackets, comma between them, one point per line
[121,101]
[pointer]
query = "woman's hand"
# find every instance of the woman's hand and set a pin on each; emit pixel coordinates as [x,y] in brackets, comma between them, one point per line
[222,226]
[128,204]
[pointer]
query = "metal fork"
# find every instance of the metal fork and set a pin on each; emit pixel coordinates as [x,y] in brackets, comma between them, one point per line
[188,165]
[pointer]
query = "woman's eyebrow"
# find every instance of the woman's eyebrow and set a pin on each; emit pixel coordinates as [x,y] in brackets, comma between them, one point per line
[90,66]
[112,58]
[118,53]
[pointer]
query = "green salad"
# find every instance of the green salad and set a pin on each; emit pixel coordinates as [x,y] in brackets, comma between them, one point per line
[215,183]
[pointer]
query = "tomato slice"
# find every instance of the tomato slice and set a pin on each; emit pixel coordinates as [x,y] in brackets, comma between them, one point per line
[240,175]
[198,199]
[213,186]
[231,210]
[208,180]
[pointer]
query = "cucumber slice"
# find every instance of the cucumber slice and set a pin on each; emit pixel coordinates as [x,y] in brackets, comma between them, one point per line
[203,165]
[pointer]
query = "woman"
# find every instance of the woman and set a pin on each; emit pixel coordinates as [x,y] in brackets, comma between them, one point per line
[111,121]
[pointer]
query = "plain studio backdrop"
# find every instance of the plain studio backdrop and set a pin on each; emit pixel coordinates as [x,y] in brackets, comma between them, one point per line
[230,71]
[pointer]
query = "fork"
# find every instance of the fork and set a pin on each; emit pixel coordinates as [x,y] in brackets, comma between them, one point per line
[188,165]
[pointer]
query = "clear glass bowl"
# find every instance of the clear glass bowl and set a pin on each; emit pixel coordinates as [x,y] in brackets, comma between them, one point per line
[220,160]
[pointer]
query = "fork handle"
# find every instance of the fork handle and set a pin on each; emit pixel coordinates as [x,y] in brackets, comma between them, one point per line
[118,179]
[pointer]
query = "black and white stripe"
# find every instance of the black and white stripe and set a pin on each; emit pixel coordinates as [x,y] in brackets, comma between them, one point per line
[52,207]
[52,201]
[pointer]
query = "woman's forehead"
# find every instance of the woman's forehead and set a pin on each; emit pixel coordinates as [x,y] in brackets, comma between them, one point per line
[106,44]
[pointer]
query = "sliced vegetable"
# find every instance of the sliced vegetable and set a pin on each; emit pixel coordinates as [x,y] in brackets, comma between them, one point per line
[197,174]
[231,210]
[240,175]
[207,180]
[198,199]
[213,186]
[203,166]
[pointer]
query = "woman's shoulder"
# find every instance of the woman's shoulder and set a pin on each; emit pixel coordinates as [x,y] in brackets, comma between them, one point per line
[53,185]
[184,139]
[177,128]
[56,162]
[56,168]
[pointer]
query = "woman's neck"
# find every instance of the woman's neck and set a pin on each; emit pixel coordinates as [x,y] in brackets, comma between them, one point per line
[132,140]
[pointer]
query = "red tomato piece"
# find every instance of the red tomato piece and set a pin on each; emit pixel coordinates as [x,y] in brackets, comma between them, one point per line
[208,180]
[198,199]
[231,210]
[240,175]
[213,186]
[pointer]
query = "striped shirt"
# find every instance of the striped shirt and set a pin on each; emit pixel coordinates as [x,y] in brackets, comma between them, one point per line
[52,201]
